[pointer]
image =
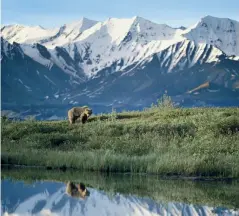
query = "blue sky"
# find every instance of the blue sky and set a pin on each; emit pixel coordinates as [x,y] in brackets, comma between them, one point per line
[52,13]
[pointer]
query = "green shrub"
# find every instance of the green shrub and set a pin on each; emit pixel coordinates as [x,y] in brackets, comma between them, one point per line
[228,126]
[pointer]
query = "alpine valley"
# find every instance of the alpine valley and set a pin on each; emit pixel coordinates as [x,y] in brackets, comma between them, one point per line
[120,63]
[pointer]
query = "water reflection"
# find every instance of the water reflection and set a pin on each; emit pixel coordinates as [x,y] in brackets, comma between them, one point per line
[77,190]
[106,196]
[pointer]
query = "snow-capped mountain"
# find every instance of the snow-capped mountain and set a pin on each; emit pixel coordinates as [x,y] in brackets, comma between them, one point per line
[221,33]
[22,75]
[113,60]
[97,46]
[94,46]
[51,37]
[49,198]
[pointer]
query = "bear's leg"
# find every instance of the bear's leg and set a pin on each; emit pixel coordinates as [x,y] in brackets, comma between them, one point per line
[70,117]
[72,120]
[84,119]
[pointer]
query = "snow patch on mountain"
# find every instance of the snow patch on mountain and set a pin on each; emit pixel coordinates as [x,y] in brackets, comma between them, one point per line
[26,34]
[68,33]
[116,31]
[219,32]
[49,37]
[33,53]
[187,54]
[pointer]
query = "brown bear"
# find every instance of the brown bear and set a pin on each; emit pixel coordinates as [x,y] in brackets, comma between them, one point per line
[82,113]
[77,190]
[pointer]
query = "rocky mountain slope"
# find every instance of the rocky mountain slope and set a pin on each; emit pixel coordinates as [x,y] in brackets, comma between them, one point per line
[123,61]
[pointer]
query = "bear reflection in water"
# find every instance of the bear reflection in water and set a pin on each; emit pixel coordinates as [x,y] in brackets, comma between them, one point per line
[77,190]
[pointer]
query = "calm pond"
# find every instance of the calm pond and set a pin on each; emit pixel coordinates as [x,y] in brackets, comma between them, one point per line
[41,192]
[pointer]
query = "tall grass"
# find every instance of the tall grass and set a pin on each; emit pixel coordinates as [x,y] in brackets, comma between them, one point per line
[161,140]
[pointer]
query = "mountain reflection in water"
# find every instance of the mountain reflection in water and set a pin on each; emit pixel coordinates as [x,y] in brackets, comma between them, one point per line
[55,198]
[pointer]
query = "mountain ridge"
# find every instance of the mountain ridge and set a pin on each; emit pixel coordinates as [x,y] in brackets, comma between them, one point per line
[97,58]
[103,43]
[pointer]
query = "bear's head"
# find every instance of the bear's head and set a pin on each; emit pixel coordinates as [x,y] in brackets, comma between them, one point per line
[88,112]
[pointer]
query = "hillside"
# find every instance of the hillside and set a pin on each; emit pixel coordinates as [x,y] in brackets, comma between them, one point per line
[161,140]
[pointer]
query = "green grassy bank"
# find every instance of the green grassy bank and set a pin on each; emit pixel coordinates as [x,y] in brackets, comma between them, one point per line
[165,141]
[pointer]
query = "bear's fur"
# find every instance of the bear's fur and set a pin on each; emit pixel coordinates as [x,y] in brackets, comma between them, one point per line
[82,113]
[76,190]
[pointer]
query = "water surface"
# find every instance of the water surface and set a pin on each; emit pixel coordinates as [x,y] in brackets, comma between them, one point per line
[31,192]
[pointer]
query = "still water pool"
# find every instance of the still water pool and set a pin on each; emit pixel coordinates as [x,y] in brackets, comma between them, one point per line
[37,192]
